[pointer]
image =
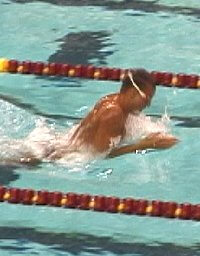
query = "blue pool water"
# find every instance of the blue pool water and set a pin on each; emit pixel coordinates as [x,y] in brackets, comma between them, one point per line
[156,35]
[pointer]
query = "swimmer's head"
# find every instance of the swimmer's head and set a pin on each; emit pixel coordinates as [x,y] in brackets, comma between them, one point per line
[140,86]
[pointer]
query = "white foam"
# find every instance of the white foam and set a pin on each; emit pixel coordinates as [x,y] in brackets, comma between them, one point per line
[139,126]
[41,140]
[77,153]
[44,140]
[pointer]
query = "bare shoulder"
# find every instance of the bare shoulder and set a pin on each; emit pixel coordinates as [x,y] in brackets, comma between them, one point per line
[112,112]
[108,107]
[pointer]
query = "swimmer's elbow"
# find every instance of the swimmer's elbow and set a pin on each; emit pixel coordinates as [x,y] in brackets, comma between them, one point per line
[123,150]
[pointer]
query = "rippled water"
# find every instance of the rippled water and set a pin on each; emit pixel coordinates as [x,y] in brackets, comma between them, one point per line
[156,35]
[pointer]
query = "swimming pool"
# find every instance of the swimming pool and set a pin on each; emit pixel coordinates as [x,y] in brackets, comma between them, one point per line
[160,35]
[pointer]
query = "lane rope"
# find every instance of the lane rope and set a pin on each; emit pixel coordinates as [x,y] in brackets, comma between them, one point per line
[168,79]
[101,203]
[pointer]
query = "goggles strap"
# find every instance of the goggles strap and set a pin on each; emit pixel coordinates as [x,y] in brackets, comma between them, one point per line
[142,94]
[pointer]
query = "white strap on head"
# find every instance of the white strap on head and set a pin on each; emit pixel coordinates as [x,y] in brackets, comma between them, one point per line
[142,94]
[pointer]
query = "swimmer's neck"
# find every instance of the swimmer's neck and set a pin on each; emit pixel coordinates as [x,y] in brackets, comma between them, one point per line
[127,104]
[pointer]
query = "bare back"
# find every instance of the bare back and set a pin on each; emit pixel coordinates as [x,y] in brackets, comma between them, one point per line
[105,121]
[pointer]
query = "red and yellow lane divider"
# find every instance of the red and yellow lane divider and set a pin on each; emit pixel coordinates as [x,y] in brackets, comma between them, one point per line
[180,80]
[101,203]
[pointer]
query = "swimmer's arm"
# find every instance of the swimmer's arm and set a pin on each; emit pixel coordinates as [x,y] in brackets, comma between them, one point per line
[153,141]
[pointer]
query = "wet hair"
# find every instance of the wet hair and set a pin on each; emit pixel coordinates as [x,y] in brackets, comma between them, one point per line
[141,78]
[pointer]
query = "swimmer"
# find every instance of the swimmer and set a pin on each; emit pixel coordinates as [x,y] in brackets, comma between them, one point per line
[107,120]
[103,130]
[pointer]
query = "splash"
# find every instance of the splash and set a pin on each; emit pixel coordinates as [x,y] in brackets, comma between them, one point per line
[140,126]
[45,140]
[35,144]
[137,127]
[41,141]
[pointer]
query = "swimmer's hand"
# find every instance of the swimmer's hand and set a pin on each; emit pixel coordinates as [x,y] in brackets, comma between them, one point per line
[159,141]
[154,140]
